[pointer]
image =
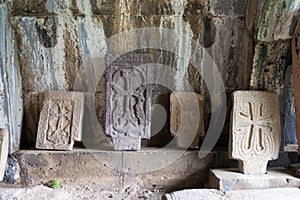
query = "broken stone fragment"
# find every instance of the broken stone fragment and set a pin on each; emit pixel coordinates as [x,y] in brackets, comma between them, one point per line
[60,120]
[255,130]
[3,151]
[187,118]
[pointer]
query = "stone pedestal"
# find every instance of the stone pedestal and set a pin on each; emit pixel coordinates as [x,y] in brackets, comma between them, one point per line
[3,151]
[231,179]
[186,121]
[255,130]
[60,121]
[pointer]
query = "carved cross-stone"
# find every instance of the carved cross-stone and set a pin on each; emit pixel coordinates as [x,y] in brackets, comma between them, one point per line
[60,120]
[186,120]
[255,130]
[3,151]
[128,101]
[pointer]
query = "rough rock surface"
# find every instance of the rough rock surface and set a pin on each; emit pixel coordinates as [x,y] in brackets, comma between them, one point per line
[296,79]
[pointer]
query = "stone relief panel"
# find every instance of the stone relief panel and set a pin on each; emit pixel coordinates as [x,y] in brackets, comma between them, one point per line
[60,121]
[128,101]
[255,130]
[185,116]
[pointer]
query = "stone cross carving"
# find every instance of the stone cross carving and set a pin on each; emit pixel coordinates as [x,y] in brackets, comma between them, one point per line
[128,101]
[255,130]
[186,120]
[3,151]
[60,121]
[296,78]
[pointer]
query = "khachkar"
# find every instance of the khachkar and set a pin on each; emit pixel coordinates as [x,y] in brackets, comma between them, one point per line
[128,101]
[3,151]
[60,121]
[255,130]
[186,120]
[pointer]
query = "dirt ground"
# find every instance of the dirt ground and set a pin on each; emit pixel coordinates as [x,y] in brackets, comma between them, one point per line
[66,192]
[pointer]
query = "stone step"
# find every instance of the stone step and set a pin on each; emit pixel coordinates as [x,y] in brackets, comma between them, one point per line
[232,179]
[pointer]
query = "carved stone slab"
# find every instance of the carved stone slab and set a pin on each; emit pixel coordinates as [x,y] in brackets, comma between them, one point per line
[3,151]
[60,121]
[296,78]
[255,130]
[128,101]
[182,120]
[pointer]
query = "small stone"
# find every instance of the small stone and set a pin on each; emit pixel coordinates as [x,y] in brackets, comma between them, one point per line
[3,151]
[255,130]
[60,120]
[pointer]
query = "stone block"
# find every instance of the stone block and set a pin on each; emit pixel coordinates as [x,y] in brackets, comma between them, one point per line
[3,151]
[186,121]
[274,194]
[231,179]
[60,121]
[128,100]
[255,130]
[194,194]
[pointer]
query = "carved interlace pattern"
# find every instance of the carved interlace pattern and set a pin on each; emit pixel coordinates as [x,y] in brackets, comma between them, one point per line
[59,122]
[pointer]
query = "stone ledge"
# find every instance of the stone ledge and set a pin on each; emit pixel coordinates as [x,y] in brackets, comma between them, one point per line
[118,169]
[231,179]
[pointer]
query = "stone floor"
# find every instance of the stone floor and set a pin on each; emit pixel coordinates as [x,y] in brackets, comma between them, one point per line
[133,192]
[41,192]
[211,194]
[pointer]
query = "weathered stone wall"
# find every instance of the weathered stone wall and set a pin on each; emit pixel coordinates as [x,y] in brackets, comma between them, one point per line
[11,104]
[49,41]
[272,61]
